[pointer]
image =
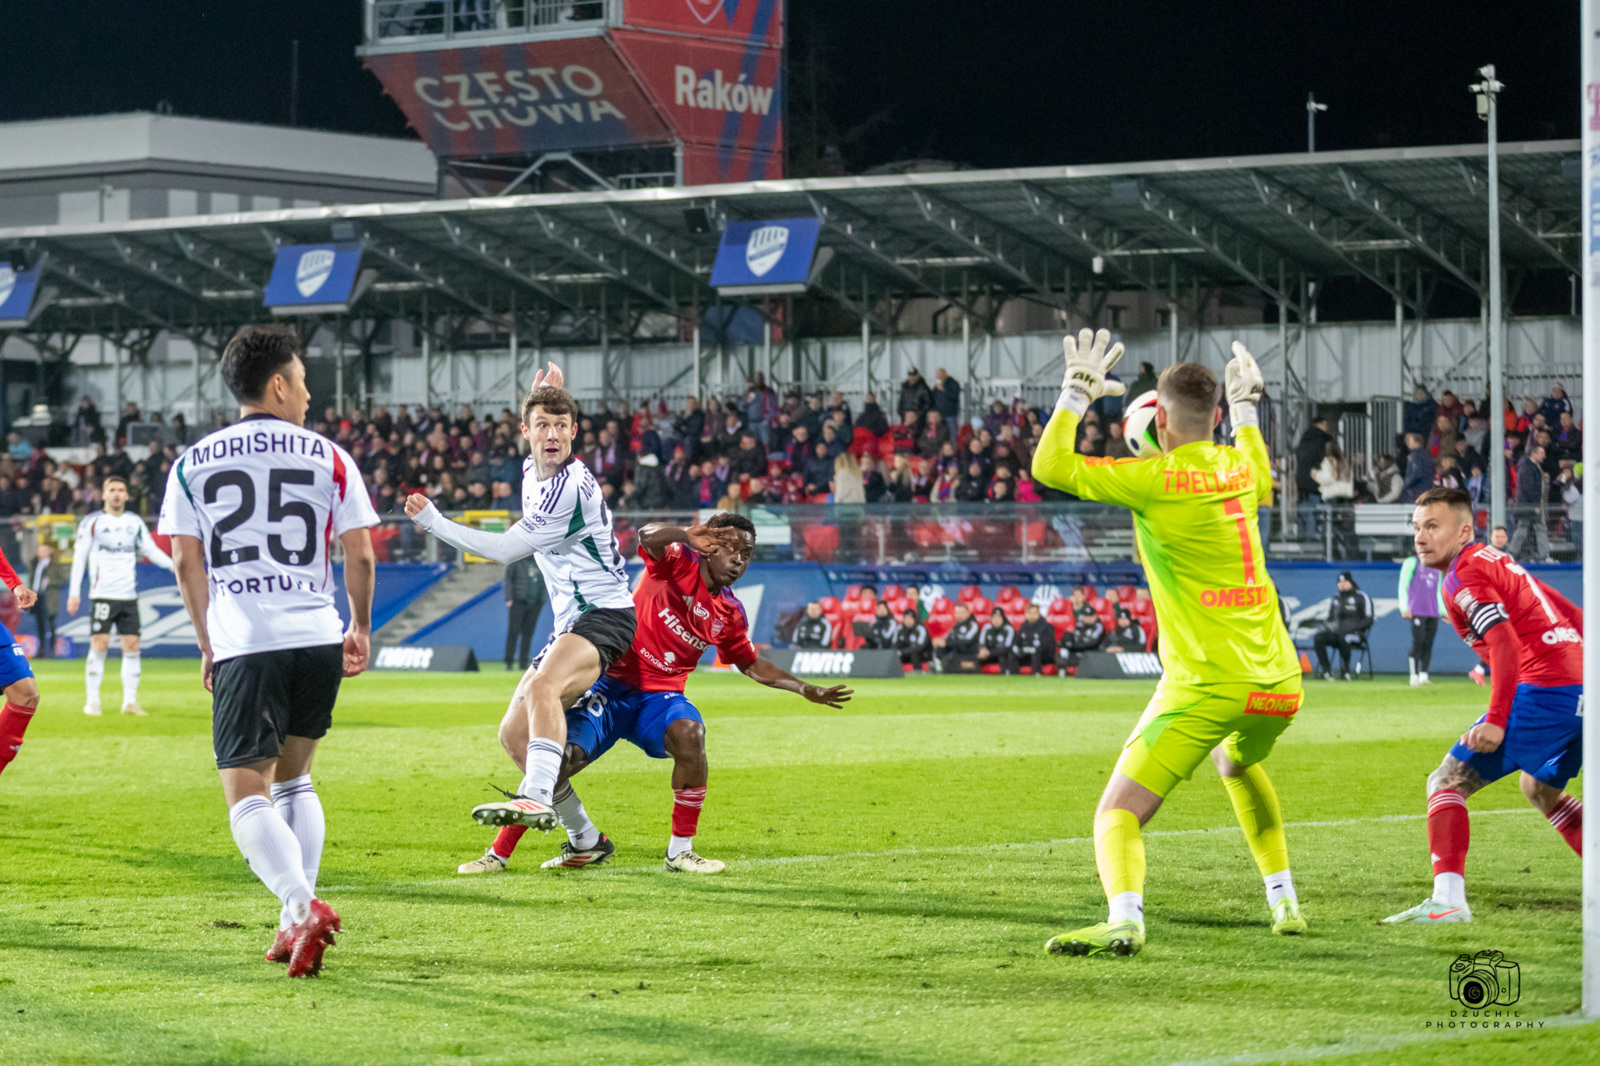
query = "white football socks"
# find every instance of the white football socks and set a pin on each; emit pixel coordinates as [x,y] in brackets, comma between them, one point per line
[544,766]
[1127,907]
[297,803]
[1450,890]
[581,832]
[272,852]
[1279,886]
[130,678]
[94,671]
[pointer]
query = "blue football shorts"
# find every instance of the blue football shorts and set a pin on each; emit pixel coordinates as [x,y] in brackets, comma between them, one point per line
[1544,737]
[613,710]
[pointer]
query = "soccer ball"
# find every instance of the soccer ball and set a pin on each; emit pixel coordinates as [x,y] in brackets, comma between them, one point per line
[1139,426]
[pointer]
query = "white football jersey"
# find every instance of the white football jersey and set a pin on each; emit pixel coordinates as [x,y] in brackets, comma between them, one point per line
[567,523]
[266,498]
[108,548]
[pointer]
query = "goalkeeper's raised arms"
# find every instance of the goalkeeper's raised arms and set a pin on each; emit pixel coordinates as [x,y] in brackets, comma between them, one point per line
[1088,363]
[1243,385]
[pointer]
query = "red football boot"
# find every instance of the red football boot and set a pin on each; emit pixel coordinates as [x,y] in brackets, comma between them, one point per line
[311,938]
[282,946]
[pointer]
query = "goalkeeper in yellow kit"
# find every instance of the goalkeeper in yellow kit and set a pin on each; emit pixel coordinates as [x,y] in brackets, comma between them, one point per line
[1231,679]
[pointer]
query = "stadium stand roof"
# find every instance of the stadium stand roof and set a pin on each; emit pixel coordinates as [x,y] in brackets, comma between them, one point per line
[1402,219]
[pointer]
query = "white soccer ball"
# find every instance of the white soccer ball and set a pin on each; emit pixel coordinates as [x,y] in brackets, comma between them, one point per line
[1139,426]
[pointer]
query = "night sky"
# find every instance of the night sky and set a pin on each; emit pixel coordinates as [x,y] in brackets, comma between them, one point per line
[990,83]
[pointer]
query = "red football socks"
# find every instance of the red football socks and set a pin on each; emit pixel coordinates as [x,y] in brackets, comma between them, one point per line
[13,723]
[505,841]
[686,804]
[1568,820]
[1449,831]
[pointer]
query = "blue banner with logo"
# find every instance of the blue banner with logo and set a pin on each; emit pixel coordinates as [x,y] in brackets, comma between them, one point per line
[17,288]
[306,275]
[776,252]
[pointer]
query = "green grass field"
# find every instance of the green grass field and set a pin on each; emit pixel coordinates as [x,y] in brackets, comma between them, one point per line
[894,871]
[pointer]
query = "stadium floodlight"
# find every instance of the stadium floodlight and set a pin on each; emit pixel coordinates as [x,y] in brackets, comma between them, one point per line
[1488,92]
[1589,110]
[1312,107]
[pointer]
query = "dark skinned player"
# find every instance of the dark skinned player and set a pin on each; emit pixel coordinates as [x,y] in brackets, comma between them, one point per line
[685,604]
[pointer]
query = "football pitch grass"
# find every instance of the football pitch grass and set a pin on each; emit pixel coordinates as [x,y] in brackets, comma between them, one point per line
[894,869]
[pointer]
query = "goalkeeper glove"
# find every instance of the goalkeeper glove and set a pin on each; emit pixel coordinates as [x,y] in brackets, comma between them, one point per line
[1244,386]
[1088,363]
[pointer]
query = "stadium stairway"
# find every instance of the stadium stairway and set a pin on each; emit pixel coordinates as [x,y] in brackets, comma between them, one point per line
[464,582]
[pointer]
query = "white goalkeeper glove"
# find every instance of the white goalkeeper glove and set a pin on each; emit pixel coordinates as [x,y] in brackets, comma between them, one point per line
[1244,386]
[1088,363]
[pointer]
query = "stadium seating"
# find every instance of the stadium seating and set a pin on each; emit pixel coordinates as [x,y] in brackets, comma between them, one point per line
[969,593]
[1060,616]
[893,592]
[821,543]
[1008,594]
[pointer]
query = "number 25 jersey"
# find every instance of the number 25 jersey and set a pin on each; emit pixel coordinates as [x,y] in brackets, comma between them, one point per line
[265,498]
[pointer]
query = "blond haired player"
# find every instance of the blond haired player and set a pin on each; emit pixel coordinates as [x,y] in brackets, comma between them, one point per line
[1231,680]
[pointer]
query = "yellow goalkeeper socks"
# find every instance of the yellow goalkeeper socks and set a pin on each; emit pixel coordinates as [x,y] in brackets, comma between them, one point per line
[1119,853]
[1255,803]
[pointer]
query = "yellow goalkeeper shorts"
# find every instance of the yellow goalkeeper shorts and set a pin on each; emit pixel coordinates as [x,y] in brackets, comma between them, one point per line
[1184,722]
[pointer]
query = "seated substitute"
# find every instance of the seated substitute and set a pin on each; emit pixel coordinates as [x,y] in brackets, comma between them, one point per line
[1036,640]
[885,631]
[997,642]
[960,644]
[813,631]
[916,650]
[1127,636]
[1349,618]
[1088,633]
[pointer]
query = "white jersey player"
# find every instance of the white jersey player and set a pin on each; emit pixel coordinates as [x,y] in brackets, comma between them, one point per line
[566,526]
[252,511]
[107,548]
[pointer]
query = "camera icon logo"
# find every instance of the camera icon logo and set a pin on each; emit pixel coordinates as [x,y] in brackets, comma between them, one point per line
[1487,979]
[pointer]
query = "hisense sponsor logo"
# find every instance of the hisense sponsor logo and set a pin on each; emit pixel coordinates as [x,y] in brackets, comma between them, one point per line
[714,92]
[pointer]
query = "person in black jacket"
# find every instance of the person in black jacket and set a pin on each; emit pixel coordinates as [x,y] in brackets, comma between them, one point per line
[524,600]
[960,645]
[997,643]
[885,631]
[916,650]
[1087,633]
[1349,617]
[813,631]
[1126,635]
[1036,640]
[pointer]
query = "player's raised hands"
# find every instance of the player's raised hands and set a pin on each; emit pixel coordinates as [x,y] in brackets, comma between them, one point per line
[836,697]
[1088,362]
[706,539]
[551,377]
[1244,383]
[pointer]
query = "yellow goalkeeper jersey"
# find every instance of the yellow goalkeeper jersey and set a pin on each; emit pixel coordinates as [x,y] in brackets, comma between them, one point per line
[1194,514]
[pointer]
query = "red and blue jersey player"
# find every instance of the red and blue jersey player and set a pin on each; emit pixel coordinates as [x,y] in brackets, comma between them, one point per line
[16,676]
[1532,639]
[685,604]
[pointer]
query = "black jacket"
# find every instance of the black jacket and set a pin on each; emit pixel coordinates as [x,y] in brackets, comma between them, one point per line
[885,632]
[947,400]
[913,639]
[1307,457]
[998,638]
[1036,636]
[963,637]
[813,632]
[1087,634]
[1129,637]
[524,583]
[1350,612]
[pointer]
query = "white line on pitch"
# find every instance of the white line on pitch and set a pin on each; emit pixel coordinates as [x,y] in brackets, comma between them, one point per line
[956,849]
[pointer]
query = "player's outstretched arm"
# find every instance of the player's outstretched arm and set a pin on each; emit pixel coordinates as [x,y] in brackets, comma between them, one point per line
[360,580]
[774,676]
[1244,385]
[502,548]
[1056,462]
[190,566]
[655,538]
[80,565]
[148,548]
[1488,734]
